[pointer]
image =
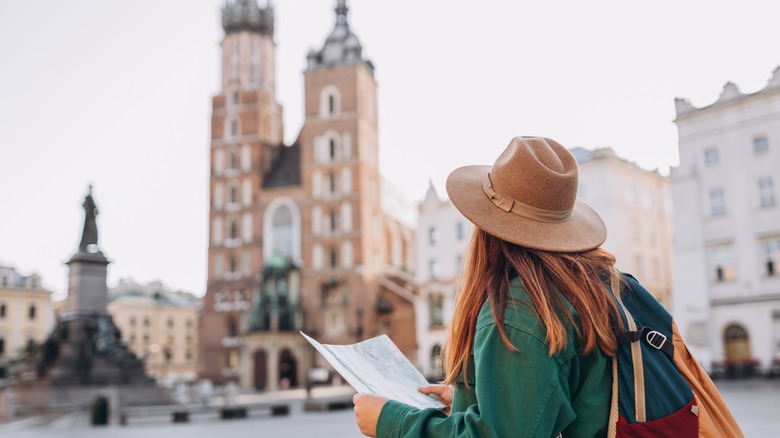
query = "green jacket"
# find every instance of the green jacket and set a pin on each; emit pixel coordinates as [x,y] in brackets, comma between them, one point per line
[516,394]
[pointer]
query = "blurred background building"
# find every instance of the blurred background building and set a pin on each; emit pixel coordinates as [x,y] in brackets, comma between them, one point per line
[159,325]
[727,244]
[442,237]
[26,313]
[635,204]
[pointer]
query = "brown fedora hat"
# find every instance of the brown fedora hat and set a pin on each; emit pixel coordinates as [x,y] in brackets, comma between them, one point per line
[529,197]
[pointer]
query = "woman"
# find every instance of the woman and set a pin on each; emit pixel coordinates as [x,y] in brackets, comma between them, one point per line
[530,341]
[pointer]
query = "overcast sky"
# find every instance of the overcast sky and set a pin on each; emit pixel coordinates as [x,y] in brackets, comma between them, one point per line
[117,94]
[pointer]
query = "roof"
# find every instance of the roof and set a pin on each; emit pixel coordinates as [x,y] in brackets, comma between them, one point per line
[286,170]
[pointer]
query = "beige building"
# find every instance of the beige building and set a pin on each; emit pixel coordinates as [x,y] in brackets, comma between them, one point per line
[160,326]
[635,204]
[26,312]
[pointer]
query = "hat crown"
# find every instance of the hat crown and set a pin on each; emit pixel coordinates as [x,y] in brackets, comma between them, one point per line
[538,172]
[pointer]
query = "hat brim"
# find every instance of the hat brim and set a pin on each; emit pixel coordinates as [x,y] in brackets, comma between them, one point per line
[583,231]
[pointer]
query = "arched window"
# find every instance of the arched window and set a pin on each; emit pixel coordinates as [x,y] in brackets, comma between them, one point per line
[330,101]
[282,220]
[282,231]
[332,149]
[31,312]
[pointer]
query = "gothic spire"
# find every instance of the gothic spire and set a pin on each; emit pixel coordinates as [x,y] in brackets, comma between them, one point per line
[342,47]
[341,11]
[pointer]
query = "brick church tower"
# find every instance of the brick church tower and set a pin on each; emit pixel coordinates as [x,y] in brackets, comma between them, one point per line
[299,237]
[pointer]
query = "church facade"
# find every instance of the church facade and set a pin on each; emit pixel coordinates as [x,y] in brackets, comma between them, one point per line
[299,239]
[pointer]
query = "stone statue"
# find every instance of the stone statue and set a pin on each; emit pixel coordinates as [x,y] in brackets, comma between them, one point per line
[90,233]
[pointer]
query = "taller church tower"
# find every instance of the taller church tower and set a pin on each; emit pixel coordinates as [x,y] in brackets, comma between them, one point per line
[246,138]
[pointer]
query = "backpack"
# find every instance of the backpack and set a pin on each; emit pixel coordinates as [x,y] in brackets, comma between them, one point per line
[658,388]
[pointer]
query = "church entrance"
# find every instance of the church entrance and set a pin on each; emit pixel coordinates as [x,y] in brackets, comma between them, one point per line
[288,370]
[261,369]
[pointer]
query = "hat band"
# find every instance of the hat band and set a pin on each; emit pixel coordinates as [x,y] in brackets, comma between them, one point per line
[510,205]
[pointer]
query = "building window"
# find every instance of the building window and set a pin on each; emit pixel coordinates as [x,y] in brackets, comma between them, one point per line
[766,192]
[146,322]
[330,101]
[332,183]
[436,310]
[232,327]
[233,229]
[636,230]
[282,232]
[722,263]
[132,321]
[334,259]
[233,128]
[170,323]
[233,196]
[639,266]
[711,157]
[232,267]
[2,310]
[460,230]
[717,202]
[434,269]
[771,248]
[630,194]
[332,149]
[760,146]
[2,347]
[233,159]
[433,236]
[31,312]
[333,221]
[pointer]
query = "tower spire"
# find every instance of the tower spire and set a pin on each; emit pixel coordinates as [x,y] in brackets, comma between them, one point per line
[341,11]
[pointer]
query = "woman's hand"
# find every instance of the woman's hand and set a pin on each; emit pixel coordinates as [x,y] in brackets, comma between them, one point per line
[367,409]
[444,392]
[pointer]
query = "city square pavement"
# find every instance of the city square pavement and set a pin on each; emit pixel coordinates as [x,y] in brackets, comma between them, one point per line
[755,404]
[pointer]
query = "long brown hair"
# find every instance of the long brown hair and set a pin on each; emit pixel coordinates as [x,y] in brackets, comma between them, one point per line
[490,265]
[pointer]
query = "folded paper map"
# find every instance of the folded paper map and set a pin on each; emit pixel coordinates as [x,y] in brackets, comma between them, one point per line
[377,366]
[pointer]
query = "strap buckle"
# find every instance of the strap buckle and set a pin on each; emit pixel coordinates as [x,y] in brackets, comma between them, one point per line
[656,339]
